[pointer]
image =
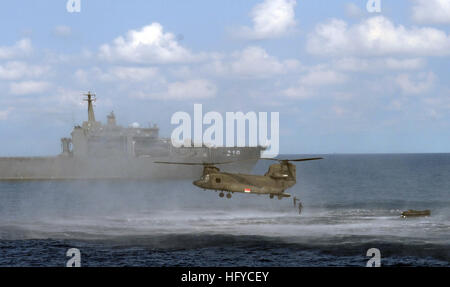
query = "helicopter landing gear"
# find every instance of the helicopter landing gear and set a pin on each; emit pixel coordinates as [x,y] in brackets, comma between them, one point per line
[280,197]
[228,195]
[221,194]
[271,196]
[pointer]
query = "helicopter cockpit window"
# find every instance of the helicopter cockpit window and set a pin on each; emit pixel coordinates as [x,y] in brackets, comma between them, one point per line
[218,180]
[205,178]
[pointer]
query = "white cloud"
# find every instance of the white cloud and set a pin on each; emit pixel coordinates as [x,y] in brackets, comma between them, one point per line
[252,62]
[418,85]
[352,64]
[339,111]
[190,89]
[255,61]
[297,92]
[343,96]
[62,31]
[322,77]
[69,97]
[28,87]
[431,11]
[135,74]
[21,48]
[376,36]
[150,44]
[15,70]
[5,113]
[315,79]
[403,64]
[82,76]
[181,71]
[396,105]
[353,11]
[122,75]
[437,106]
[271,18]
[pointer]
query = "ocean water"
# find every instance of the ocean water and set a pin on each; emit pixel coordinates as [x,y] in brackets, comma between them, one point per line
[350,203]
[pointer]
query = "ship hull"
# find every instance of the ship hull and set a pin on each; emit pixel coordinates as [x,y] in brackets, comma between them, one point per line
[66,168]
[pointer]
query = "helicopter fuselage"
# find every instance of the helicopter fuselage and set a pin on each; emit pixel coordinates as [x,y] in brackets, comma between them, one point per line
[246,183]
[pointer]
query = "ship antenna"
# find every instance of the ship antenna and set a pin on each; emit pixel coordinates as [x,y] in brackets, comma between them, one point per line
[90,98]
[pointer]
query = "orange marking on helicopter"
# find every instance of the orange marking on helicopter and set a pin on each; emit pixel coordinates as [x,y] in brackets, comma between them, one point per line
[247,190]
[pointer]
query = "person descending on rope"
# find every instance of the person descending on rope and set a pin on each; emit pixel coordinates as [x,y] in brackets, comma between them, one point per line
[300,207]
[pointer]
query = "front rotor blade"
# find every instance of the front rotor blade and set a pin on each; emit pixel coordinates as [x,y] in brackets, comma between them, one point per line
[194,163]
[182,163]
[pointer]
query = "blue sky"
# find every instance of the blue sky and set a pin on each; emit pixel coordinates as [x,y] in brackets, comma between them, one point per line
[344,80]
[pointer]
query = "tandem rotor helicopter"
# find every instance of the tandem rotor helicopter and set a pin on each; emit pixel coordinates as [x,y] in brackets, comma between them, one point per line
[274,182]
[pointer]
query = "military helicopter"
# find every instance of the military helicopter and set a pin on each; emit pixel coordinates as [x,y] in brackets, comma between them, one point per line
[274,182]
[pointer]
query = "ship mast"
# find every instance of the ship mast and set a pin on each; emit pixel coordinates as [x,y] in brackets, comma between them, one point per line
[90,98]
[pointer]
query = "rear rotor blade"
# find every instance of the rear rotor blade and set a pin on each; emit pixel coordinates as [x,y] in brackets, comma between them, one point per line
[305,159]
[297,159]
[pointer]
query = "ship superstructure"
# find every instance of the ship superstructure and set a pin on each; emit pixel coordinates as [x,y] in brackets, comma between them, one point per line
[93,138]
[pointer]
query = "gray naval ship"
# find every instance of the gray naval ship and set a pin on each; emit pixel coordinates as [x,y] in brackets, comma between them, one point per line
[110,151]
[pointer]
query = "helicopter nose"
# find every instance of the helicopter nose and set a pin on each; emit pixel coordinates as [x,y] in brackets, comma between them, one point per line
[197,183]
